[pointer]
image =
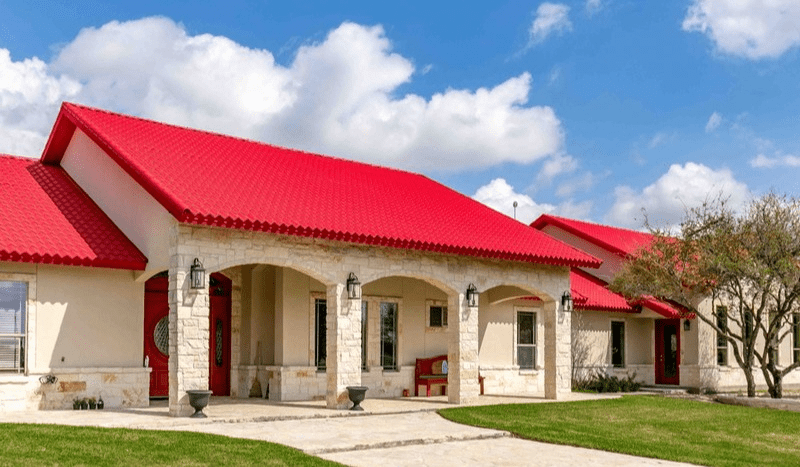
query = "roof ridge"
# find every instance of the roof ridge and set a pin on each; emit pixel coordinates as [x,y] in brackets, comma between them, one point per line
[596,224]
[240,138]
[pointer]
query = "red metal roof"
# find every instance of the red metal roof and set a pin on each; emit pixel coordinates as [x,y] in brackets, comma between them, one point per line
[590,293]
[211,179]
[47,218]
[617,240]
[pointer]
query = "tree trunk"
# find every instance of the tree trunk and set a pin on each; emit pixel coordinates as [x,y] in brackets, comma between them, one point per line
[776,391]
[751,382]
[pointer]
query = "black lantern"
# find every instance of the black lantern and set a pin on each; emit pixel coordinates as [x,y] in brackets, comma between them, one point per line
[472,296]
[353,287]
[566,302]
[687,325]
[197,275]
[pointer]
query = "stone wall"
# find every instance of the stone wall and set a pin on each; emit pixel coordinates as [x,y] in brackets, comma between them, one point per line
[119,387]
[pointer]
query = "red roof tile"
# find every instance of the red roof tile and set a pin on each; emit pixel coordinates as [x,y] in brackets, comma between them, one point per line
[615,239]
[590,293]
[212,179]
[47,218]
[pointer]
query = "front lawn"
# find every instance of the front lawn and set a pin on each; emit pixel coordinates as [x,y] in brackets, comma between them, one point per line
[651,426]
[23,444]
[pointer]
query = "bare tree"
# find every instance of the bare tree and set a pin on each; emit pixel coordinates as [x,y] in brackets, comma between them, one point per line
[748,263]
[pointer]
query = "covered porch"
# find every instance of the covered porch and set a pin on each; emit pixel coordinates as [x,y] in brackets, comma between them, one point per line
[296,334]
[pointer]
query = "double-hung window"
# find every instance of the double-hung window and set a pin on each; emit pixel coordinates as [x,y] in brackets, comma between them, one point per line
[364,330]
[13,325]
[389,335]
[722,342]
[796,337]
[618,344]
[320,331]
[526,340]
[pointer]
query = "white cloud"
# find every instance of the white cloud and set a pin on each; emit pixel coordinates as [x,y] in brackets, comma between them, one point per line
[714,121]
[556,165]
[29,100]
[337,96]
[581,183]
[551,18]
[500,196]
[657,140]
[666,200]
[593,7]
[753,29]
[763,162]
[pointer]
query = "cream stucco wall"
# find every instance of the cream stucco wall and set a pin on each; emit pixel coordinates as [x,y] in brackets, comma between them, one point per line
[140,217]
[88,317]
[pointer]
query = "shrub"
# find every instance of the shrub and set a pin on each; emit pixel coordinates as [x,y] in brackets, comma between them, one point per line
[602,382]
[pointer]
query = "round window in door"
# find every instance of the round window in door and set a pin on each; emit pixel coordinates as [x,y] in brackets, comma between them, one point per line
[161,335]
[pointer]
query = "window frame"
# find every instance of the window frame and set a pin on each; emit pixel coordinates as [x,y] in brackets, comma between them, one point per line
[323,337]
[394,366]
[721,316]
[364,334]
[28,340]
[618,325]
[534,345]
[429,305]
[796,337]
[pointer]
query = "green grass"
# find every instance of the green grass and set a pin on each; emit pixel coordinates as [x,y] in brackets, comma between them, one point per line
[651,426]
[24,444]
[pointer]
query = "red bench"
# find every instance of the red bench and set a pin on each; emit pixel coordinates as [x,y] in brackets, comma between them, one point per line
[429,371]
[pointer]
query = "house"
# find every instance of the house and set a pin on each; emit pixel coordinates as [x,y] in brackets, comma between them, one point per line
[657,341]
[140,259]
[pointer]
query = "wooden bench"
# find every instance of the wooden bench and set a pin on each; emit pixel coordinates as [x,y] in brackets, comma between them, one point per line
[433,370]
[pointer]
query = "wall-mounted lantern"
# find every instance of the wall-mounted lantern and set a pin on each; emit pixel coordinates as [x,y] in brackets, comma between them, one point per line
[197,275]
[566,302]
[353,287]
[472,296]
[687,325]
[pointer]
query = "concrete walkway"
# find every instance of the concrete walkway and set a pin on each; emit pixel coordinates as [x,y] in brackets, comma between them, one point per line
[391,432]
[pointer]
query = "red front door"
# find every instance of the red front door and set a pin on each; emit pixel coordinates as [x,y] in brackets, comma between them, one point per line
[156,334]
[668,351]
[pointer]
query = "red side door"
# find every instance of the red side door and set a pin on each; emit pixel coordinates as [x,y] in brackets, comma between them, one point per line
[156,334]
[219,355]
[668,351]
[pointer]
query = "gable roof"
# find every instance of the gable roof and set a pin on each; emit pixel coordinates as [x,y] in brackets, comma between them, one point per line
[47,218]
[614,239]
[211,179]
[591,293]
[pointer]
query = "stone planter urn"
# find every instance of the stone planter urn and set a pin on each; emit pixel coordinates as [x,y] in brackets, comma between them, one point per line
[198,399]
[356,395]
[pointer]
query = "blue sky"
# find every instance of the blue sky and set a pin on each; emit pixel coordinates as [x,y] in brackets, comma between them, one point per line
[588,109]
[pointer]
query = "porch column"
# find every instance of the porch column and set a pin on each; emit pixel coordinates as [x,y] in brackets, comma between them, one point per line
[557,351]
[462,351]
[343,346]
[237,387]
[188,330]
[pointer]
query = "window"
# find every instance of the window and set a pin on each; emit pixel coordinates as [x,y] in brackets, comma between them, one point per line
[618,344]
[13,316]
[389,335]
[526,340]
[722,342]
[437,314]
[748,325]
[796,339]
[321,331]
[364,329]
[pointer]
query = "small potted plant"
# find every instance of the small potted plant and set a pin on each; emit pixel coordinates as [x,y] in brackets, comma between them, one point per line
[84,404]
[76,404]
[92,403]
[100,403]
